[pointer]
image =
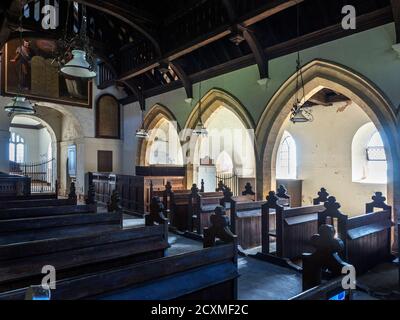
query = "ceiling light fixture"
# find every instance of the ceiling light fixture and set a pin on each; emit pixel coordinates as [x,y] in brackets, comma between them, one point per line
[300,114]
[200,129]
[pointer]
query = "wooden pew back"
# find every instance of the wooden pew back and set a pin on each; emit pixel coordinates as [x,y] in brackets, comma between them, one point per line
[246,222]
[21,264]
[33,203]
[36,212]
[31,229]
[210,273]
[367,237]
[294,228]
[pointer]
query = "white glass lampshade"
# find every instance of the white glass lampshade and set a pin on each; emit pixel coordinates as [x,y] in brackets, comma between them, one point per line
[78,67]
[142,134]
[20,105]
[200,130]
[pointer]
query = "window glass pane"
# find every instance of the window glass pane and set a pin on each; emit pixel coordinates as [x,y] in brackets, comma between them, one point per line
[12,152]
[20,153]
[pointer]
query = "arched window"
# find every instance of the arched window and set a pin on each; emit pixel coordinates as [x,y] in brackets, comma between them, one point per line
[16,148]
[224,163]
[368,156]
[286,164]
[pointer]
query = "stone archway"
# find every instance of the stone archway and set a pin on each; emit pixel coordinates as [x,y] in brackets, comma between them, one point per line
[153,118]
[317,75]
[210,103]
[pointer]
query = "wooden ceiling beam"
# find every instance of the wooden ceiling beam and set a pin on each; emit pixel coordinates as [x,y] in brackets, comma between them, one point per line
[136,91]
[187,84]
[271,8]
[125,13]
[258,52]
[396,17]
[331,33]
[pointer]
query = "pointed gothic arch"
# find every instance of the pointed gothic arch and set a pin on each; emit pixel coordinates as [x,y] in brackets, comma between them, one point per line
[153,118]
[320,74]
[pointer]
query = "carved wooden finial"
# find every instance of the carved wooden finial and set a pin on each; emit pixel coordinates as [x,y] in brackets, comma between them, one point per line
[114,204]
[325,257]
[248,190]
[168,187]
[228,194]
[221,186]
[156,214]
[72,191]
[378,201]
[331,204]
[219,228]
[322,196]
[202,186]
[194,189]
[282,192]
[272,199]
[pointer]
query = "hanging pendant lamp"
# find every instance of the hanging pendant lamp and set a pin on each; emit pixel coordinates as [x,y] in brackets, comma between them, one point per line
[78,67]
[142,133]
[200,130]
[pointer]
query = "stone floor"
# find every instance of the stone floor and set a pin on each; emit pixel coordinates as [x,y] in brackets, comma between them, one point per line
[260,280]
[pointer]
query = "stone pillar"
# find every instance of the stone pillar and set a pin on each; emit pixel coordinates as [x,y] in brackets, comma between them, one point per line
[4,150]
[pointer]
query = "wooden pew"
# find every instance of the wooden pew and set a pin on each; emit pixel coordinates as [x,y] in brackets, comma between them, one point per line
[176,204]
[201,206]
[294,228]
[209,274]
[284,198]
[31,229]
[36,212]
[39,200]
[367,237]
[21,263]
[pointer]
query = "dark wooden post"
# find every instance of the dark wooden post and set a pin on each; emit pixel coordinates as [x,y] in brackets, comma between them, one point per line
[220,187]
[91,195]
[327,217]
[115,202]
[228,194]
[219,229]
[202,186]
[72,191]
[284,198]
[272,203]
[194,199]
[325,257]
[322,197]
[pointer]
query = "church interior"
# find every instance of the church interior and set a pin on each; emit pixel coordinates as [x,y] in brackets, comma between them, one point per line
[199,150]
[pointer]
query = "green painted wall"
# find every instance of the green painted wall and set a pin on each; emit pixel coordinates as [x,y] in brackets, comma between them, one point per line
[369,53]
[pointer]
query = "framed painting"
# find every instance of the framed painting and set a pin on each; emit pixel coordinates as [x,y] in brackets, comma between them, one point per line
[29,68]
[108,118]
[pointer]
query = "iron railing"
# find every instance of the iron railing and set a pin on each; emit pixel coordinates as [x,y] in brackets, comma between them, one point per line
[43,175]
[230,180]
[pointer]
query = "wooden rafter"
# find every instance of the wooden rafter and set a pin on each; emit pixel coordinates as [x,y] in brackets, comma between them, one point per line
[396,17]
[187,84]
[271,8]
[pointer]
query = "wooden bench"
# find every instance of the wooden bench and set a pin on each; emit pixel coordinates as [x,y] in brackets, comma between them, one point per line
[209,274]
[245,220]
[201,206]
[294,228]
[32,203]
[367,237]
[31,229]
[21,263]
[36,212]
